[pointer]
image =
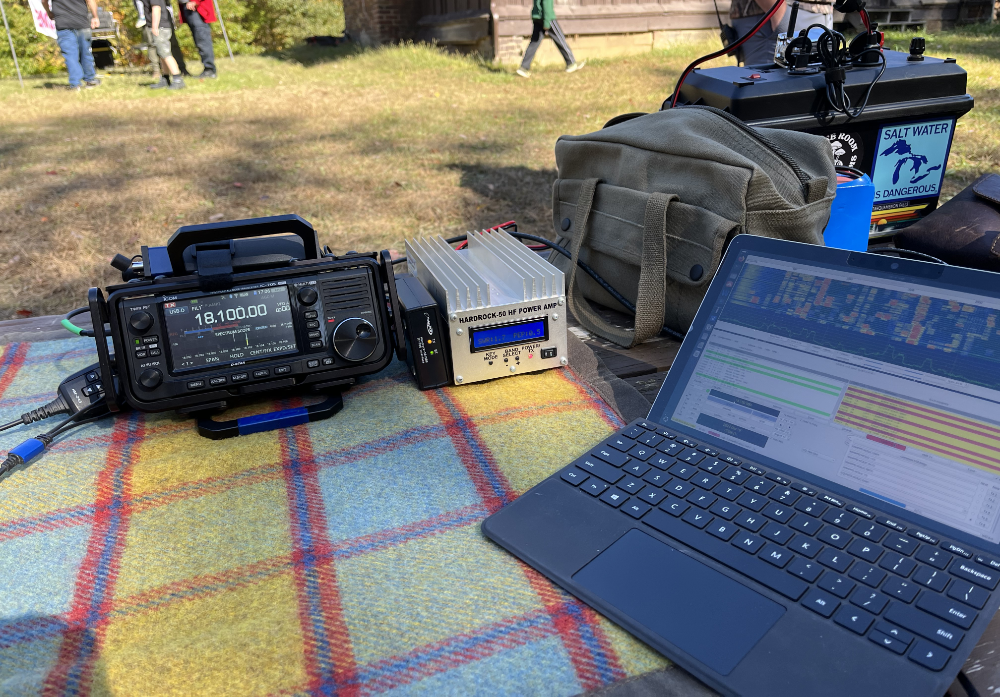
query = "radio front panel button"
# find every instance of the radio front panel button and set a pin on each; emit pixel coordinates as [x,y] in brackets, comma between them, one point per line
[262,373]
[150,378]
[141,354]
[312,324]
[327,361]
[153,352]
[316,344]
[308,295]
[151,339]
[221,380]
[315,335]
[93,376]
[195,384]
[140,321]
[239,377]
[313,363]
[311,314]
[279,370]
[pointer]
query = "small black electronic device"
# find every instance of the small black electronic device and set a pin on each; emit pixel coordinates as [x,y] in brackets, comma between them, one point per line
[241,308]
[426,343]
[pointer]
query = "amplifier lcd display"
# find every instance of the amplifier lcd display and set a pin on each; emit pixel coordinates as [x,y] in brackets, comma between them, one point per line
[505,306]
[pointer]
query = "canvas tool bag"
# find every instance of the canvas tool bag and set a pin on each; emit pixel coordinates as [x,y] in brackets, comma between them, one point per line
[652,202]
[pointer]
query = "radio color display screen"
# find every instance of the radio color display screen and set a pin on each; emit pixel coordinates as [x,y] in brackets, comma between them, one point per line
[223,329]
[520,333]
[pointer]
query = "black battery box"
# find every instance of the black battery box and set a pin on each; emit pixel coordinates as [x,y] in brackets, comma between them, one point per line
[901,140]
[422,327]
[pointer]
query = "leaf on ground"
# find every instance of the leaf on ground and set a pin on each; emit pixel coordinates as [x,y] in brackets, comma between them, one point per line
[52,171]
[216,216]
[24,313]
[238,185]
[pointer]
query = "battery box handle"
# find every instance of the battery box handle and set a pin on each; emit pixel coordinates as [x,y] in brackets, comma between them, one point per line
[224,231]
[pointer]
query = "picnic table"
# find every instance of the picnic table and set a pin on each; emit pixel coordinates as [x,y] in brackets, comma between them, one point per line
[631,379]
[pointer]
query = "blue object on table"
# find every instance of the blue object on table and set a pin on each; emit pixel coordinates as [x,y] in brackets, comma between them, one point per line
[850,215]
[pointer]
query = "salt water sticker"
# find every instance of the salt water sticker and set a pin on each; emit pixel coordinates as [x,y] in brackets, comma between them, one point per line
[910,159]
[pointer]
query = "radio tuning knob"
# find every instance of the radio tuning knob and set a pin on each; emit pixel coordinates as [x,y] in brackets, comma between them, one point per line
[308,295]
[150,378]
[140,321]
[355,339]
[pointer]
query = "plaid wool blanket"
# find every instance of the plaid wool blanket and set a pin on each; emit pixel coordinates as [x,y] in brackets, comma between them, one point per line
[339,557]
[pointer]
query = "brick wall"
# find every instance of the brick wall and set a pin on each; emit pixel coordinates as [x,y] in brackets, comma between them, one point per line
[381,21]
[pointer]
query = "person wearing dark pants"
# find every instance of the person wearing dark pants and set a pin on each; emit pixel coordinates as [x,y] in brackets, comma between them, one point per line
[543,19]
[73,29]
[198,14]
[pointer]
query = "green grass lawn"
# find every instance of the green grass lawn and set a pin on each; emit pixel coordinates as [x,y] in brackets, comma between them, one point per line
[370,147]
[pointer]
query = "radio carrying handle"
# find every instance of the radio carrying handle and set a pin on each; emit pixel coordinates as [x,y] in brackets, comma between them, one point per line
[385,261]
[98,316]
[240,229]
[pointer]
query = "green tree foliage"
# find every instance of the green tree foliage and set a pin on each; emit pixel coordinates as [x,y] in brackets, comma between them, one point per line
[254,26]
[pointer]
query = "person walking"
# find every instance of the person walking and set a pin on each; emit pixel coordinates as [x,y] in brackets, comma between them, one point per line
[543,20]
[158,31]
[198,14]
[73,29]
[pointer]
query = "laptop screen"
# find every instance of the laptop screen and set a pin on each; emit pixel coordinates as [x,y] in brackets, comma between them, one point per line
[889,386]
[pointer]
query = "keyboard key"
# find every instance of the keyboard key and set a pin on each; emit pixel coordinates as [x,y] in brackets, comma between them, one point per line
[890,523]
[732,460]
[594,487]
[968,594]
[727,490]
[775,511]
[725,509]
[747,542]
[894,631]
[759,485]
[596,468]
[803,489]
[873,601]
[614,497]
[956,549]
[736,475]
[982,559]
[611,456]
[649,425]
[692,457]
[713,466]
[858,621]
[947,609]
[897,564]
[832,500]
[805,524]
[705,481]
[678,488]
[857,510]
[751,521]
[631,485]
[702,499]
[651,439]
[922,624]
[636,509]
[980,575]
[900,590]
[722,529]
[842,519]
[634,432]
[574,477]
[642,452]
[765,574]
[811,507]
[666,434]
[869,531]
[805,546]
[834,537]
[688,442]
[782,481]
[709,451]
[656,477]
[835,559]
[661,461]
[929,656]
[754,502]
[620,443]
[651,496]
[821,602]
[923,536]
[934,579]
[674,506]
[894,645]
[683,471]
[671,449]
[901,544]
[636,468]
[778,534]
[938,558]
[805,569]
[867,574]
[775,555]
[836,584]
[697,518]
[863,549]
[785,496]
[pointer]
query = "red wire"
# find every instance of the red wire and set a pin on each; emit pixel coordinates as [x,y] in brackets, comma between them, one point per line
[728,49]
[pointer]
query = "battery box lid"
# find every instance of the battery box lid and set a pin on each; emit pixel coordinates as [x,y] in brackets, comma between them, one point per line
[770,96]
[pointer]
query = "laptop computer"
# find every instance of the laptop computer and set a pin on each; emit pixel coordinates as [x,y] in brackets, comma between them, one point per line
[812,506]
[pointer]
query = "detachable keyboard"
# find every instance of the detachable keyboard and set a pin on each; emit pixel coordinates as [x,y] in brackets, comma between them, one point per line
[905,589]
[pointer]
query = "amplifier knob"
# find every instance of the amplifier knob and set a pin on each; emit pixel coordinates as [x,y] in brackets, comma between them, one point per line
[141,321]
[307,296]
[355,339]
[150,378]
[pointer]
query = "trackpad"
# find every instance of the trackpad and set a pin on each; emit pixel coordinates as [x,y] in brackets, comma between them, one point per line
[705,614]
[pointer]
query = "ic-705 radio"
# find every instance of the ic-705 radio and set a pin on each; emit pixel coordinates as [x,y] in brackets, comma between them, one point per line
[240,308]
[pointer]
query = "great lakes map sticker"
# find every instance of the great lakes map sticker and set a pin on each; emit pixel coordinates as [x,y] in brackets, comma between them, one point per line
[910,159]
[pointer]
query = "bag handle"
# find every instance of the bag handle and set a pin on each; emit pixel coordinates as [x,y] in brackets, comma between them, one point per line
[650,303]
